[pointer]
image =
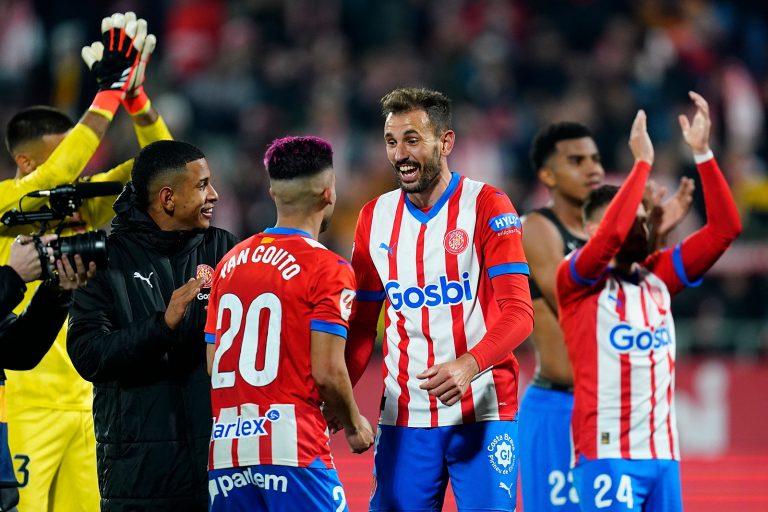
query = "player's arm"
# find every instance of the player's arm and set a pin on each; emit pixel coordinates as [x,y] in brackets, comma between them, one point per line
[367,305]
[499,232]
[589,263]
[543,248]
[332,303]
[101,352]
[64,165]
[35,329]
[699,251]
[330,374]
[147,124]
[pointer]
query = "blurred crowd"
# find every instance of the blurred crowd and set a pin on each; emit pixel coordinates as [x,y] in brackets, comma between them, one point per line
[230,76]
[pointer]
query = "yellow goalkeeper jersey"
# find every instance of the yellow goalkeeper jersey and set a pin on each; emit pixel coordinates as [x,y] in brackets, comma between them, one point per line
[54,383]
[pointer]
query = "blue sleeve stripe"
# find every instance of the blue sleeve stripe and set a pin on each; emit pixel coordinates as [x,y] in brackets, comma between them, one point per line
[508,268]
[677,262]
[210,337]
[576,277]
[369,296]
[329,327]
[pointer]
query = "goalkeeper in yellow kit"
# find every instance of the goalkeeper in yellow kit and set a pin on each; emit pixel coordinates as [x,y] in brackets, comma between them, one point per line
[49,408]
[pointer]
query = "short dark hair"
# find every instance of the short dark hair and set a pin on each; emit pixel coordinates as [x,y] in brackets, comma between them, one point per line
[545,141]
[32,123]
[598,198]
[297,157]
[161,158]
[406,99]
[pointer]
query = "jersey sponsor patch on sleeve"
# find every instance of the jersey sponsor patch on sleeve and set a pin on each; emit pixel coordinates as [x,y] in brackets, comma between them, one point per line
[506,224]
[345,303]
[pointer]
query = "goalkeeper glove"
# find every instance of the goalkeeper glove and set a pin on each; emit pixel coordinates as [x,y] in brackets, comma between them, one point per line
[114,60]
[136,101]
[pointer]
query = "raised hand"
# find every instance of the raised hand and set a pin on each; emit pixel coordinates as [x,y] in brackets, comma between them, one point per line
[663,216]
[180,299]
[136,85]
[696,131]
[677,207]
[114,59]
[639,141]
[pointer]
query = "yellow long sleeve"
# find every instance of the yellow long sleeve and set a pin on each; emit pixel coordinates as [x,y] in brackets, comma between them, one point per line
[65,165]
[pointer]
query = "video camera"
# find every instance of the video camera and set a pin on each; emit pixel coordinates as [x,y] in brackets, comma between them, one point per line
[91,246]
[64,201]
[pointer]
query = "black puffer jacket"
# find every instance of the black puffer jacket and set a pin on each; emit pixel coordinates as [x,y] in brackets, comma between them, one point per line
[151,406]
[24,340]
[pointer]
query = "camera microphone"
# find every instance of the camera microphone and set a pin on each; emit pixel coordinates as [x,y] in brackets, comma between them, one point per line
[82,190]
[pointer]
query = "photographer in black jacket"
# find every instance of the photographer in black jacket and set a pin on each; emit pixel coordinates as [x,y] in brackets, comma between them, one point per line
[25,339]
[136,332]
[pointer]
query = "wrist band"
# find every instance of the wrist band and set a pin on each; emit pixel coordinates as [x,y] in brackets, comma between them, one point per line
[139,104]
[704,157]
[106,103]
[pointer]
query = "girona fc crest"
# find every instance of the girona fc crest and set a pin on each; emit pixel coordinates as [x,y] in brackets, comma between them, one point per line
[456,241]
[206,272]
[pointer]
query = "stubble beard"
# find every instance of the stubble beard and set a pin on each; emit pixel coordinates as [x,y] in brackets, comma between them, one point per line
[429,175]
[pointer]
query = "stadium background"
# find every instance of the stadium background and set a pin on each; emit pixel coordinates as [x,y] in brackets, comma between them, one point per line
[230,76]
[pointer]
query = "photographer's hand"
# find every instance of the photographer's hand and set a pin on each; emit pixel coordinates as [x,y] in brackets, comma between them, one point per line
[180,299]
[24,258]
[73,278]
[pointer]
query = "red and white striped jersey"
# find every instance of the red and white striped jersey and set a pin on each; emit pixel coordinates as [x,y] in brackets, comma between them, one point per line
[268,293]
[621,340]
[619,329]
[434,267]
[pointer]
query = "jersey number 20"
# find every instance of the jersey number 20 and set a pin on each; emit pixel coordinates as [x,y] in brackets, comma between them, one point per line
[250,344]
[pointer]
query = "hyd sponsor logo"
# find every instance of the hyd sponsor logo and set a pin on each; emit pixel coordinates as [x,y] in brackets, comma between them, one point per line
[442,293]
[506,223]
[224,484]
[624,338]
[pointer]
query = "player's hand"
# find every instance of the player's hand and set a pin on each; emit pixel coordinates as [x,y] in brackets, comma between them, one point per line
[639,141]
[696,132]
[360,438]
[136,85]
[672,211]
[24,258]
[180,299]
[334,424]
[114,60]
[72,278]
[449,381]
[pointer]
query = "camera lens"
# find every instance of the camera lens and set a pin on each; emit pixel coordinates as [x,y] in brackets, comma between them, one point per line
[91,246]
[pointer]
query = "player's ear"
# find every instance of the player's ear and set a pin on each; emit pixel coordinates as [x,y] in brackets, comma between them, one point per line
[165,196]
[25,163]
[546,176]
[446,142]
[329,197]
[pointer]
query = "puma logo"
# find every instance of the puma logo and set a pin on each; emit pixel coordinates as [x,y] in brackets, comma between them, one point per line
[502,485]
[139,276]
[390,250]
